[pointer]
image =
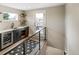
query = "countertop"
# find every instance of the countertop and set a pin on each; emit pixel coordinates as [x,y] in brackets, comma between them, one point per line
[6,30]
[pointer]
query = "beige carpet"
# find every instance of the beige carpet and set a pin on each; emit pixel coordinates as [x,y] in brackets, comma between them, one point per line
[54,51]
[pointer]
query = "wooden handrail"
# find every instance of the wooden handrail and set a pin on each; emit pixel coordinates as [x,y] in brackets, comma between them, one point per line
[19,42]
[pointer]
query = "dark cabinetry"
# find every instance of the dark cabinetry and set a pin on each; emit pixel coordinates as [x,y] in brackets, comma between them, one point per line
[6,39]
[19,34]
[16,35]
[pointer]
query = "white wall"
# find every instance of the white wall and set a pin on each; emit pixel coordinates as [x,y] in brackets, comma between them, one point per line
[54,22]
[7,24]
[72,28]
[56,26]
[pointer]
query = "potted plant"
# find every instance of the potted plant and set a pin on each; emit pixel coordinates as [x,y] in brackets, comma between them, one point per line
[23,20]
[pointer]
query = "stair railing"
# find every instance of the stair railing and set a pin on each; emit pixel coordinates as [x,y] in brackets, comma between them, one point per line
[28,38]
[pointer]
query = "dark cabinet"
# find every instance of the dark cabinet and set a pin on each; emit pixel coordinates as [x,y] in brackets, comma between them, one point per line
[19,34]
[16,35]
[6,39]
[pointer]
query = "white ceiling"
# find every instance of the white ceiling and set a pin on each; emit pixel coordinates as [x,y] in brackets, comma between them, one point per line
[29,6]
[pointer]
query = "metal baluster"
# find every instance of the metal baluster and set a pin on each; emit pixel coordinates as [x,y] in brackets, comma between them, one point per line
[39,40]
[24,50]
[45,33]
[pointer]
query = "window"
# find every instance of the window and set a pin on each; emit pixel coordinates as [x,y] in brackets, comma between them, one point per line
[8,16]
[39,20]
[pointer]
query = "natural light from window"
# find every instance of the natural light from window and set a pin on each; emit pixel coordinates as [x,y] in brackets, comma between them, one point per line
[39,20]
[10,16]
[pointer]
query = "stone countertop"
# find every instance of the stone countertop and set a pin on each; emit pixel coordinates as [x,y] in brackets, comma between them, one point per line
[6,30]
